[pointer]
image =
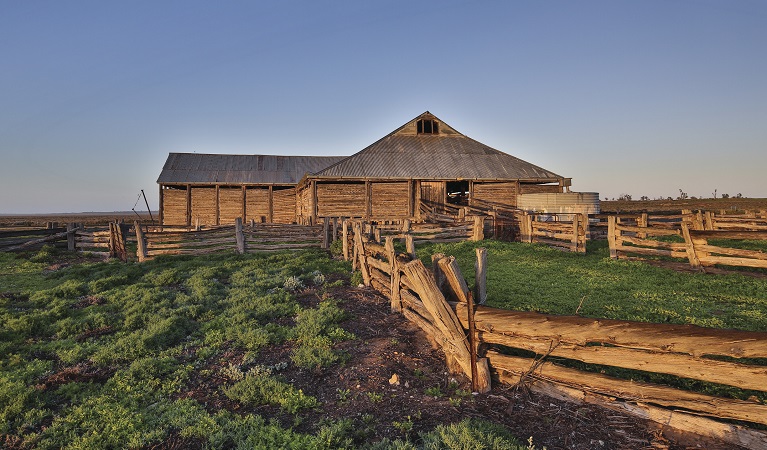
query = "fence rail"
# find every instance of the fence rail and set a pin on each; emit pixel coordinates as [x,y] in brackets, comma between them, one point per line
[481,343]
[697,249]
[237,238]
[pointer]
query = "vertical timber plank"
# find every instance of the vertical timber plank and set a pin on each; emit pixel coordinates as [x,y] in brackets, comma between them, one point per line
[480,269]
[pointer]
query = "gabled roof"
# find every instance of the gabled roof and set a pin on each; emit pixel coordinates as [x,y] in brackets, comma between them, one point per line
[201,168]
[405,153]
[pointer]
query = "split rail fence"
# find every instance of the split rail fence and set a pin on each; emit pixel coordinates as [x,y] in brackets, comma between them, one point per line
[107,241]
[259,237]
[699,247]
[482,342]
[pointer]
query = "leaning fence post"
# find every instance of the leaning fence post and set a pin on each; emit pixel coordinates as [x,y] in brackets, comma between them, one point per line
[141,252]
[239,235]
[690,247]
[480,278]
[611,229]
[396,303]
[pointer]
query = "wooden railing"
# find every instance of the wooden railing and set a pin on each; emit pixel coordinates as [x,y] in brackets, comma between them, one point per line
[256,237]
[479,341]
[107,241]
[696,248]
[562,234]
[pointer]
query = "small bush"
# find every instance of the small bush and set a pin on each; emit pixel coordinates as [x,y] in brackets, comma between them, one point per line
[258,390]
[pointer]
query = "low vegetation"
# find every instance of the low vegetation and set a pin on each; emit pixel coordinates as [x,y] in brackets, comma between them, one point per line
[533,277]
[112,355]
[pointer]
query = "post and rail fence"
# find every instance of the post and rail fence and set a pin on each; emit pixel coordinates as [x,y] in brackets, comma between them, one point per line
[484,343]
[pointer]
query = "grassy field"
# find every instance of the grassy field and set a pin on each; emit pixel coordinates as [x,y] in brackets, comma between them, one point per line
[532,277]
[187,352]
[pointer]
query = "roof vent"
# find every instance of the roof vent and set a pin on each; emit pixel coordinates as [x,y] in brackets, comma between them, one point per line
[428,126]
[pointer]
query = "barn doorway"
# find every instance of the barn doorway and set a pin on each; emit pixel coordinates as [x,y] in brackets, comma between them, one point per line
[458,193]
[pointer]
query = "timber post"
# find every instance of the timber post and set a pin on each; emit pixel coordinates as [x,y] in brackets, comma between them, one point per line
[345,241]
[239,235]
[480,279]
[479,228]
[690,247]
[574,240]
[325,231]
[611,230]
[71,238]
[360,251]
[141,247]
[396,303]
[410,246]
[439,277]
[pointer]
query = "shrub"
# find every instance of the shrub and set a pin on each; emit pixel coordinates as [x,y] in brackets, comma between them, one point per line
[258,389]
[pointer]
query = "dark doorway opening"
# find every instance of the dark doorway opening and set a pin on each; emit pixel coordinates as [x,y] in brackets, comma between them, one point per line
[458,192]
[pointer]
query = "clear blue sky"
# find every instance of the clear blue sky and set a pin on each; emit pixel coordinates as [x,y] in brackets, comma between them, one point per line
[637,97]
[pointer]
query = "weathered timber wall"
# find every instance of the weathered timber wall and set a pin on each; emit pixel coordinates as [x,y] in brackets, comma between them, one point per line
[174,207]
[204,205]
[284,205]
[390,199]
[539,188]
[495,194]
[229,204]
[433,191]
[341,199]
[257,204]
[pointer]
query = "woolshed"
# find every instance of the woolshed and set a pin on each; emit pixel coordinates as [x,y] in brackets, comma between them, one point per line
[414,169]
[425,162]
[212,189]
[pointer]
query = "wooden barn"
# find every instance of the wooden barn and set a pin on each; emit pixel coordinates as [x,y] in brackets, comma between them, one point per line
[216,189]
[425,162]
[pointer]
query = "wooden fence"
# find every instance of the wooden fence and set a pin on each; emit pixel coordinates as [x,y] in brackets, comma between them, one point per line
[479,341]
[107,241]
[562,234]
[628,241]
[238,238]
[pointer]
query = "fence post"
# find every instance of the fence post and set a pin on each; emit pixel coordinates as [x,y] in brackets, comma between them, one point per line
[480,277]
[690,247]
[71,241]
[529,228]
[325,230]
[574,239]
[360,251]
[479,228]
[708,221]
[377,234]
[410,246]
[345,242]
[141,247]
[406,226]
[239,235]
[611,230]
[396,302]
[439,277]
[643,223]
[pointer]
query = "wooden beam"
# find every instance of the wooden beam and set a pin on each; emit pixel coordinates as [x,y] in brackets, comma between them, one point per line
[188,205]
[218,212]
[480,278]
[270,205]
[161,207]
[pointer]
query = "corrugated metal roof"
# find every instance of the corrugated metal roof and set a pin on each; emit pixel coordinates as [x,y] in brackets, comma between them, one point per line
[201,168]
[448,155]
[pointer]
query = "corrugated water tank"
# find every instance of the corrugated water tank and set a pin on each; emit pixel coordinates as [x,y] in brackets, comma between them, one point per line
[562,202]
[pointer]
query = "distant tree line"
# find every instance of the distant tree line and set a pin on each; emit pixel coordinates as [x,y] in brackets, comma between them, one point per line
[682,196]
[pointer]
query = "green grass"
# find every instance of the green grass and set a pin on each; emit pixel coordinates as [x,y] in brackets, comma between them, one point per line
[533,277]
[147,330]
